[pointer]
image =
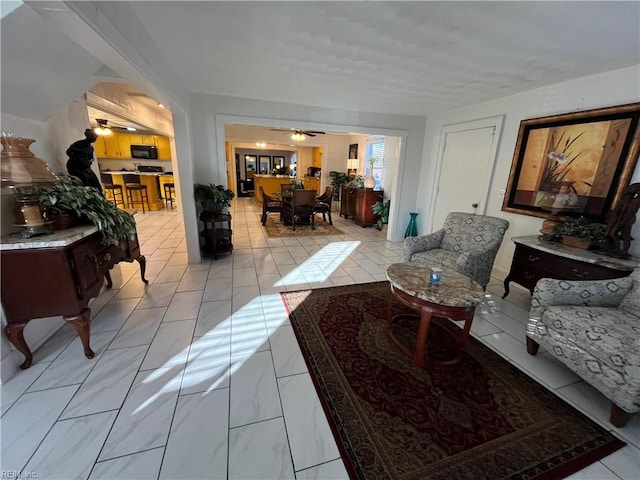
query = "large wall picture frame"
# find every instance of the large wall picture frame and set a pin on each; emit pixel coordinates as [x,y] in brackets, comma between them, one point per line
[591,154]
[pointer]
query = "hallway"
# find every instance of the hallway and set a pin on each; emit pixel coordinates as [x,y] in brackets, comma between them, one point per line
[198,374]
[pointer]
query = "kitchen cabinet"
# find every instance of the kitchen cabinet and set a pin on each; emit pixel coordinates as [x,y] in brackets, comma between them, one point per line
[118,145]
[535,259]
[316,157]
[312,183]
[58,275]
[164,147]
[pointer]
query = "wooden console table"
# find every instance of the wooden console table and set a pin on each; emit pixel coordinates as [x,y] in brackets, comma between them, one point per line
[357,203]
[535,259]
[57,275]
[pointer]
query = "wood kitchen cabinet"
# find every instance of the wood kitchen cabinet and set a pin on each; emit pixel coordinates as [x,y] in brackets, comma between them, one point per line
[164,147]
[535,259]
[58,275]
[357,203]
[316,157]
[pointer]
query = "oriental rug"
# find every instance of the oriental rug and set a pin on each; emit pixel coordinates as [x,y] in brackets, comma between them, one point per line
[482,418]
[275,228]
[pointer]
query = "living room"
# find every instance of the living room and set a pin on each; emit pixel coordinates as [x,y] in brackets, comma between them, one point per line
[199,127]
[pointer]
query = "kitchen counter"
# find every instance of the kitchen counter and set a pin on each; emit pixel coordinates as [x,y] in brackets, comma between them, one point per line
[127,172]
[269,183]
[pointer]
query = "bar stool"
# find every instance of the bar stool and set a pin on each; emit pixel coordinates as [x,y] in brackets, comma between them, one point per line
[169,192]
[113,191]
[132,184]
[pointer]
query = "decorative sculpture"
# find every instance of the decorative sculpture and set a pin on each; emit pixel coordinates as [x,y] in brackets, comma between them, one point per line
[620,220]
[80,159]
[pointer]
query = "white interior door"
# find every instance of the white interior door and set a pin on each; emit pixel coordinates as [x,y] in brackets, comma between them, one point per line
[467,155]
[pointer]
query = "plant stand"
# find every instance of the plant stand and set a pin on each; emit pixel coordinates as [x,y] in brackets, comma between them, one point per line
[217,234]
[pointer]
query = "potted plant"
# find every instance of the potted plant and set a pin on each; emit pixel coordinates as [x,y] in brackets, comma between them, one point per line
[296,184]
[382,210]
[357,182]
[69,196]
[580,232]
[337,180]
[279,171]
[213,198]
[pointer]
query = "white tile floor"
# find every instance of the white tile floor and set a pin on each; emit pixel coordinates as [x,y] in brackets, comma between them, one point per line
[198,375]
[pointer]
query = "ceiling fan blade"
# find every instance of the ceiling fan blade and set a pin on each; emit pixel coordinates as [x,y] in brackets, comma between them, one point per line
[313,131]
[309,134]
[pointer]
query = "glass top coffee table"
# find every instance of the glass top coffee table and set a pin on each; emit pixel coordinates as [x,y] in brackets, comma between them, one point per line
[454,298]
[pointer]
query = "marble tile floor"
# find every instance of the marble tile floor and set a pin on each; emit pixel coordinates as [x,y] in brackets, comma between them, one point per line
[198,374]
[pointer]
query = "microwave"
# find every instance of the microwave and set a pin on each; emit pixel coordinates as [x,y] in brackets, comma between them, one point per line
[148,152]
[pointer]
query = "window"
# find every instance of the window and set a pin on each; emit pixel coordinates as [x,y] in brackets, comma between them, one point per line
[375,150]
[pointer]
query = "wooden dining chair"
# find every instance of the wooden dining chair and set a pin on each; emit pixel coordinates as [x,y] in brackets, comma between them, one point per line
[323,204]
[270,205]
[300,208]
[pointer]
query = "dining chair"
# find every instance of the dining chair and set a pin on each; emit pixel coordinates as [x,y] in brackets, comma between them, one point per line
[269,205]
[300,208]
[323,204]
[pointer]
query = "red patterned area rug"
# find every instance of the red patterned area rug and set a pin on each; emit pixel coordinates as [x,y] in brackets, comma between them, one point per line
[479,419]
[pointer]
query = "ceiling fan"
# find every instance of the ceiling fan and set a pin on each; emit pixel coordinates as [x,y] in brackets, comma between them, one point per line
[297,134]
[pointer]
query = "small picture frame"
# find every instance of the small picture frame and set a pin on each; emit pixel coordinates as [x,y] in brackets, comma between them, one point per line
[353,151]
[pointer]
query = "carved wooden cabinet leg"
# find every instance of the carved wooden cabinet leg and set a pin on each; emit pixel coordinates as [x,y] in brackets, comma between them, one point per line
[107,276]
[143,266]
[16,337]
[81,323]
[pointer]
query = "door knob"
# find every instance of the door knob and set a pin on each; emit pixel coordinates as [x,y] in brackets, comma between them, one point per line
[474,205]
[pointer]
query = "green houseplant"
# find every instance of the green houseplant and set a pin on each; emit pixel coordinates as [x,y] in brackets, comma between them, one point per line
[212,197]
[357,182]
[70,196]
[382,210]
[590,234]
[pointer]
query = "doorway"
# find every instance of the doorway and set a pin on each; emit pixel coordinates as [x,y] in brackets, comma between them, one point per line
[465,160]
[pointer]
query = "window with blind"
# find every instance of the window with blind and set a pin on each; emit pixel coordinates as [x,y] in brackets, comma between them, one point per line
[375,150]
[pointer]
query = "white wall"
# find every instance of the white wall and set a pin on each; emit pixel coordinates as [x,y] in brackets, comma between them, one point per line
[208,150]
[612,88]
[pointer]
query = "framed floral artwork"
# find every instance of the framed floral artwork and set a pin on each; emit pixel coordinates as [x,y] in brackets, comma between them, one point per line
[576,163]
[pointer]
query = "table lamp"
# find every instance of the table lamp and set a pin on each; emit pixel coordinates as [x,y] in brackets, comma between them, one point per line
[352,167]
[23,172]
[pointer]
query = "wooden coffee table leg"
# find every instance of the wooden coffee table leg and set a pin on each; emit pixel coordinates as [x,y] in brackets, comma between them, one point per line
[421,342]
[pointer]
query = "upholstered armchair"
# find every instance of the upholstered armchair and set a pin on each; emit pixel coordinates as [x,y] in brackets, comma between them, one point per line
[467,243]
[593,327]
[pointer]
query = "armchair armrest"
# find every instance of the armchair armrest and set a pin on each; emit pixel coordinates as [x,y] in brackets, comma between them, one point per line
[421,244]
[596,293]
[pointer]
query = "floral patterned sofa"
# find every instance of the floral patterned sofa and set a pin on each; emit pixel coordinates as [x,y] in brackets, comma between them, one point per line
[467,243]
[593,327]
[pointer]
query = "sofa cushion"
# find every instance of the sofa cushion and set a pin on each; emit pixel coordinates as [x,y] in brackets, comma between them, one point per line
[631,301]
[437,257]
[611,335]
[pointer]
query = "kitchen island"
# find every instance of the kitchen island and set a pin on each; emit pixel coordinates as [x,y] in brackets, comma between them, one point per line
[152,181]
[270,184]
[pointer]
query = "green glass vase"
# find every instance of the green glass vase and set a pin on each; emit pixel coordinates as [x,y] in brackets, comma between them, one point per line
[412,228]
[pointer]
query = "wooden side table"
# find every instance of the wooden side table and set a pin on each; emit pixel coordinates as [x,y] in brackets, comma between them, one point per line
[454,298]
[535,259]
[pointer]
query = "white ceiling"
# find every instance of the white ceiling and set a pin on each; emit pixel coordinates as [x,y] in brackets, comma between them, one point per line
[388,57]
[393,57]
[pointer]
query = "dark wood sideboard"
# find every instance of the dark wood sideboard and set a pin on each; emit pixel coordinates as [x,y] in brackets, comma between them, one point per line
[535,259]
[57,275]
[357,203]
